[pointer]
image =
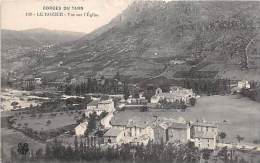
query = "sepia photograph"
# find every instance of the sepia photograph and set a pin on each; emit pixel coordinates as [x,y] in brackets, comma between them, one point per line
[130,81]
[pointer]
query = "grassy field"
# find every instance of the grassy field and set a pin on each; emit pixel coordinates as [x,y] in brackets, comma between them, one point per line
[232,114]
[10,139]
[40,123]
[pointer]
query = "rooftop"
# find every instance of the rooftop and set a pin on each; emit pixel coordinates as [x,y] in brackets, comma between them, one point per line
[113,132]
[83,125]
[175,125]
[204,124]
[93,103]
[204,135]
[145,119]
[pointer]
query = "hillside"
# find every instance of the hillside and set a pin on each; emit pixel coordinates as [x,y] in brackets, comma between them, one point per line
[153,38]
[36,37]
[16,44]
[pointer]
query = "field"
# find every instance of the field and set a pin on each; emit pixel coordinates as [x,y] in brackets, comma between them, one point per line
[10,139]
[233,115]
[39,123]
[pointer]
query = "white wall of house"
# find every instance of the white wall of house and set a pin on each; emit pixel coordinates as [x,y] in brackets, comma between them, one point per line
[80,129]
[106,105]
[155,99]
[205,143]
[119,139]
[206,129]
[204,136]
[243,84]
[138,134]
[106,120]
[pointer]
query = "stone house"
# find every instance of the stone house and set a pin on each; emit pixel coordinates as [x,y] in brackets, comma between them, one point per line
[100,106]
[204,135]
[179,132]
[172,132]
[114,136]
[135,132]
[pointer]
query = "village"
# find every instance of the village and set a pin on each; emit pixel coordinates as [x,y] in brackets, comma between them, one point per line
[128,114]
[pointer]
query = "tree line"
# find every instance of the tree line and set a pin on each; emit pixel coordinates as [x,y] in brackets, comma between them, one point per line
[83,151]
[208,86]
[105,86]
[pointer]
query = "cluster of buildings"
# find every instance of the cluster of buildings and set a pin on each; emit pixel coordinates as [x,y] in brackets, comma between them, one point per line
[132,132]
[136,100]
[30,82]
[203,134]
[98,105]
[176,94]
[136,130]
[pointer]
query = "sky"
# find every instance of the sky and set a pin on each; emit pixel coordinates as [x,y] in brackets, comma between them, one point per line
[14,17]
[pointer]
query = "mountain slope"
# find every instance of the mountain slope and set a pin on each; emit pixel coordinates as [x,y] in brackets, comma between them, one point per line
[21,48]
[35,38]
[148,38]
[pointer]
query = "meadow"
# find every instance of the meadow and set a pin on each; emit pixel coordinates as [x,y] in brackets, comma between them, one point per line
[11,139]
[233,115]
[39,122]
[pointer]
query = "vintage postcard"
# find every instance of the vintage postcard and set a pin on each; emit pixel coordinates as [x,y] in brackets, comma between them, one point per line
[130,81]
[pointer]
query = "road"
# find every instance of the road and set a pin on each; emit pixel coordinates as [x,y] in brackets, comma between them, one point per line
[241,145]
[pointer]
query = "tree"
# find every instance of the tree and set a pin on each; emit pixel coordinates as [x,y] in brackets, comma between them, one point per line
[144,109]
[14,104]
[193,101]
[117,76]
[76,143]
[25,125]
[68,90]
[39,154]
[222,135]
[69,153]
[126,95]
[182,105]
[48,122]
[239,138]
[48,151]
[103,114]
[126,91]
[92,124]
[206,154]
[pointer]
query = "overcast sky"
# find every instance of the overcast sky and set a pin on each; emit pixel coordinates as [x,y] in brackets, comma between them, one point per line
[14,14]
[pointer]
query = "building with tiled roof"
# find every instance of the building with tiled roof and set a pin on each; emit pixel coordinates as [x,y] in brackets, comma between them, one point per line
[100,106]
[179,132]
[204,134]
[114,136]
